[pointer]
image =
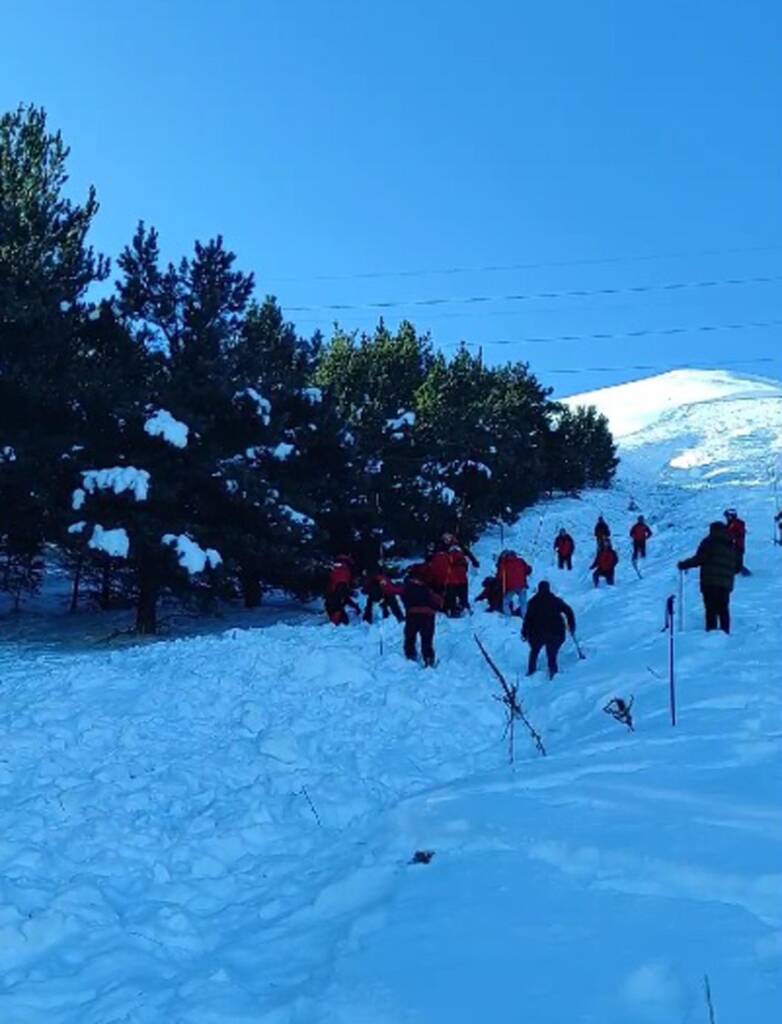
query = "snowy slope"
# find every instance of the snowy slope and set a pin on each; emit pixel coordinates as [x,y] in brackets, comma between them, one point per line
[218,829]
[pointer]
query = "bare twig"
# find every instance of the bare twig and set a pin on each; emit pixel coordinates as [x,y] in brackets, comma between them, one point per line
[709,1003]
[621,710]
[312,806]
[511,701]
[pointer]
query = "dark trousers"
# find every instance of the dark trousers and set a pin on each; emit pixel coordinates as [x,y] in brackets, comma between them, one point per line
[564,561]
[639,549]
[456,599]
[552,645]
[388,606]
[740,560]
[337,603]
[420,624]
[606,574]
[716,603]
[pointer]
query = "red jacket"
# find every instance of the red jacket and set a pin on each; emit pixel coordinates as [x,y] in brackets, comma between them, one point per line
[640,531]
[457,563]
[605,560]
[513,572]
[564,545]
[438,570]
[737,530]
[340,573]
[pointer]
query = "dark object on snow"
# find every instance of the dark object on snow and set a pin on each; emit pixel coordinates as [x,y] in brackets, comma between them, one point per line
[718,561]
[621,710]
[421,603]
[544,626]
[604,564]
[639,534]
[421,857]
[492,592]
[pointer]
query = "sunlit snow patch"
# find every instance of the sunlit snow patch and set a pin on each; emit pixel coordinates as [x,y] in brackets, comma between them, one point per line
[162,424]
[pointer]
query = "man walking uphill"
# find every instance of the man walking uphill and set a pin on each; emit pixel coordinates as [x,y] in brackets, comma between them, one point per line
[718,561]
[639,534]
[544,626]
[564,545]
[420,603]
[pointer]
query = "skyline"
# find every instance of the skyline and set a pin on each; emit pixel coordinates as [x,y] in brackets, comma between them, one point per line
[352,157]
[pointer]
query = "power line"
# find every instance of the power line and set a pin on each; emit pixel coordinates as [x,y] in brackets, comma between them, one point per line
[507,267]
[575,293]
[608,336]
[657,367]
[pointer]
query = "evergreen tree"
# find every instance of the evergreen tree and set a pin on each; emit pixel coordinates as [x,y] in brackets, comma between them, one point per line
[46,268]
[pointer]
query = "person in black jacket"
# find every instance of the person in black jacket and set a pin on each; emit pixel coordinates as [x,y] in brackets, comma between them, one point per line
[421,603]
[544,626]
[718,561]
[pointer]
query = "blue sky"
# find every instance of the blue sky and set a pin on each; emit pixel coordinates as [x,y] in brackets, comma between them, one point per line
[599,145]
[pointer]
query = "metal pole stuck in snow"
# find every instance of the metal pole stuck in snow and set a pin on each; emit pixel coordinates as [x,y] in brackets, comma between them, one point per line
[681,600]
[669,610]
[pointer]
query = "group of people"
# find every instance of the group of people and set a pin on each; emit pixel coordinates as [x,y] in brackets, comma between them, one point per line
[440,584]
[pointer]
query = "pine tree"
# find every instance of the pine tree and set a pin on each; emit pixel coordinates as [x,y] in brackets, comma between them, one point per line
[46,268]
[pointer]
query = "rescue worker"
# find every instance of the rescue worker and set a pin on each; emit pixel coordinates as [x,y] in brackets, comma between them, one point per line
[381,590]
[491,593]
[438,571]
[544,626]
[457,585]
[564,545]
[602,531]
[421,603]
[604,564]
[639,534]
[513,573]
[737,531]
[339,591]
[717,559]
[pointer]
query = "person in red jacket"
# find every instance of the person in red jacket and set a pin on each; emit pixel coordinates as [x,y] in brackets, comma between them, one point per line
[339,591]
[737,531]
[421,604]
[564,545]
[438,571]
[381,590]
[604,564]
[491,593]
[456,588]
[639,534]
[513,572]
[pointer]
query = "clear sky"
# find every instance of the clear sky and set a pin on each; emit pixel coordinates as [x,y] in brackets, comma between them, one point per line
[587,144]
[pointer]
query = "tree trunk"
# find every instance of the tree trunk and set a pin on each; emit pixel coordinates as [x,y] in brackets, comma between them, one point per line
[76,584]
[105,589]
[146,609]
[251,590]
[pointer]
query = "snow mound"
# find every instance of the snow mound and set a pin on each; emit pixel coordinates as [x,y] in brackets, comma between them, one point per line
[641,403]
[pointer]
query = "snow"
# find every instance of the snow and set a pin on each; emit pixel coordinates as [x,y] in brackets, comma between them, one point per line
[8,453]
[78,498]
[119,479]
[313,395]
[113,542]
[191,556]
[77,527]
[263,405]
[398,424]
[635,406]
[219,827]
[282,451]
[162,424]
[297,517]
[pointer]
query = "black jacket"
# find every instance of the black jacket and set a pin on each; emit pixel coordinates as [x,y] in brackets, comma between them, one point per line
[716,557]
[543,619]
